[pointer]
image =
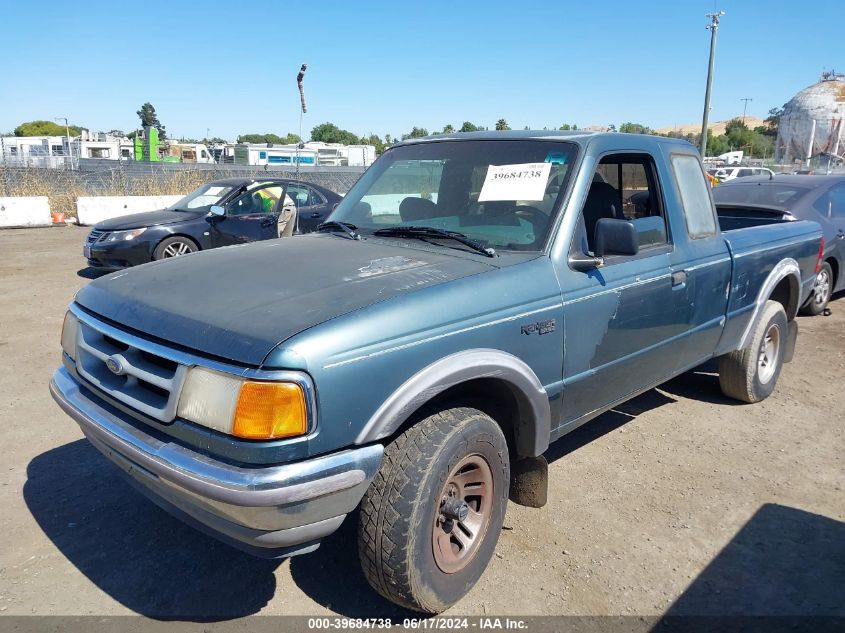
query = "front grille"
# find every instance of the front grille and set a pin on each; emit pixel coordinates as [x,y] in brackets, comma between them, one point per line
[136,377]
[96,236]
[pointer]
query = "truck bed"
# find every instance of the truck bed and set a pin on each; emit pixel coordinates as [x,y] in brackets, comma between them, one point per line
[757,245]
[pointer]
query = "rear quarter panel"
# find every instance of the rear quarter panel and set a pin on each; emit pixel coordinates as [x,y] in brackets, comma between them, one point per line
[755,252]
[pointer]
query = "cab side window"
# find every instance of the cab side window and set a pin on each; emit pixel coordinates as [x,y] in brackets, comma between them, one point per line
[625,187]
[695,196]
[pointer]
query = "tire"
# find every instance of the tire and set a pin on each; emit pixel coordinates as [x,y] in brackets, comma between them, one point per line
[820,296]
[174,247]
[750,374]
[408,538]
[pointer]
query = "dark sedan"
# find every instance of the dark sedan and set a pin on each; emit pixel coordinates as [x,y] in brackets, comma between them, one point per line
[220,213]
[817,198]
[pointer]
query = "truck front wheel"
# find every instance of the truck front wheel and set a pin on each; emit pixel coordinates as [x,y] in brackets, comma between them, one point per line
[750,374]
[432,515]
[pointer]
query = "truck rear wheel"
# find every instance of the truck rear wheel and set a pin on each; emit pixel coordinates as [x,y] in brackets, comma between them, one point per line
[750,374]
[431,518]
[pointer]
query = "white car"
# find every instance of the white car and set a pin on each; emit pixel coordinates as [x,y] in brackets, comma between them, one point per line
[730,173]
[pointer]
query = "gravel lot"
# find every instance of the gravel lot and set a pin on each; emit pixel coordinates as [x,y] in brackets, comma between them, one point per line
[681,501]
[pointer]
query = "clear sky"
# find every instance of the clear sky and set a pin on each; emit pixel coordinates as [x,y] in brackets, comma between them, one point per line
[376,67]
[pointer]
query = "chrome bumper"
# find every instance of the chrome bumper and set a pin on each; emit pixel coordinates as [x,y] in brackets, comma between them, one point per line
[268,511]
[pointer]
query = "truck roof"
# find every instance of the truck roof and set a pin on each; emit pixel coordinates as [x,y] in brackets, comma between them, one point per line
[576,136]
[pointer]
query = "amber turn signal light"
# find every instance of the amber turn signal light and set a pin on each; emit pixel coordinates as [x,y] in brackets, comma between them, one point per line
[270,410]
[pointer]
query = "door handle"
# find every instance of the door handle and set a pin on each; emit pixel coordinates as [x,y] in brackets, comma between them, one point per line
[841,235]
[679,278]
[316,215]
[267,223]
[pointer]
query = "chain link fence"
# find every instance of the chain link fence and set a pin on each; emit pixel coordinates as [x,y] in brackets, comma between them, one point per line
[131,178]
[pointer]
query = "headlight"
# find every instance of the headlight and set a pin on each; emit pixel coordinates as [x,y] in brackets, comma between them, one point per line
[243,408]
[69,328]
[120,236]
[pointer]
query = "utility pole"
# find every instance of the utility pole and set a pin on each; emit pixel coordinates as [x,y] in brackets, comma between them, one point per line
[67,131]
[713,27]
[745,101]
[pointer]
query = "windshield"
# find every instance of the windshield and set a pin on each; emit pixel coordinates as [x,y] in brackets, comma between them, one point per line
[202,199]
[762,194]
[502,194]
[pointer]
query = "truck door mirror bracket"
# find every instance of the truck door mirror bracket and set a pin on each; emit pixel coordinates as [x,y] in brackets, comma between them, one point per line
[585,263]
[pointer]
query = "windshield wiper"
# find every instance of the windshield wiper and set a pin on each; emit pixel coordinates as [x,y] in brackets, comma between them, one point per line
[421,232]
[349,229]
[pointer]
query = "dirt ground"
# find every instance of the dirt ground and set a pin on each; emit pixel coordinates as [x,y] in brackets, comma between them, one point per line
[680,502]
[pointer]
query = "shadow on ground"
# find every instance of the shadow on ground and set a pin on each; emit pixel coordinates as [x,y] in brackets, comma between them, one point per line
[91,273]
[784,562]
[138,554]
[156,566]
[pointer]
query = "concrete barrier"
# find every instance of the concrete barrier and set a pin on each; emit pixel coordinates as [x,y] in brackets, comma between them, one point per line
[93,209]
[25,211]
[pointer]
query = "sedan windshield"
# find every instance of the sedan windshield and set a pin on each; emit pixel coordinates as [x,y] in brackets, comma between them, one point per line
[501,194]
[764,194]
[202,199]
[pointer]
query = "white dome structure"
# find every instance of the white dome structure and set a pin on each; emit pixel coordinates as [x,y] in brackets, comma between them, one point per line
[822,103]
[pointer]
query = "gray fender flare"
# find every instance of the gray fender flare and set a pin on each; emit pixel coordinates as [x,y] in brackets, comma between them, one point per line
[533,426]
[786,268]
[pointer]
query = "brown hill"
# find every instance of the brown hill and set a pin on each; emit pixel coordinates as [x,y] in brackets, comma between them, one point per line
[717,127]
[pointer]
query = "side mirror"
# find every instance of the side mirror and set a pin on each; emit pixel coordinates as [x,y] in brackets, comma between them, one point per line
[216,211]
[616,237]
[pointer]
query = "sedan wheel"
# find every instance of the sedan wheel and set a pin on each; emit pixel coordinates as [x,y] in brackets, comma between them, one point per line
[174,247]
[822,288]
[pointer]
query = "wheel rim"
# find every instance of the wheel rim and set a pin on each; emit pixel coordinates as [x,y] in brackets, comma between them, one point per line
[769,352]
[464,508]
[177,248]
[821,288]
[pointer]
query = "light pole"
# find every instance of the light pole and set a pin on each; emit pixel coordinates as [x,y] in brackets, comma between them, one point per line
[67,131]
[713,27]
[745,101]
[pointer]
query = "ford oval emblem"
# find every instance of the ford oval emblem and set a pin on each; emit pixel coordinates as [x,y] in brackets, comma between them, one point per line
[114,365]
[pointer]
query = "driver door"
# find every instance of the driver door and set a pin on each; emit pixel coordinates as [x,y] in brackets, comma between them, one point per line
[250,217]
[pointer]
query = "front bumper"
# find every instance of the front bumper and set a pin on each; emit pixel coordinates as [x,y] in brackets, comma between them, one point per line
[269,511]
[116,255]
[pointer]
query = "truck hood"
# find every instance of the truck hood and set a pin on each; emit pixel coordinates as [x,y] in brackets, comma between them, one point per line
[238,303]
[148,218]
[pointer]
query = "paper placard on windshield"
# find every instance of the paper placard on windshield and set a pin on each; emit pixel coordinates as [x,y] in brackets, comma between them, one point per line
[213,191]
[526,181]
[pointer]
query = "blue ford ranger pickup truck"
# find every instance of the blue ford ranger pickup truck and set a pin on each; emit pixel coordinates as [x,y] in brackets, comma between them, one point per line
[473,298]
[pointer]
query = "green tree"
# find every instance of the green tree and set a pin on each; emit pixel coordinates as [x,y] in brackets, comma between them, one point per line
[773,120]
[635,128]
[330,133]
[374,140]
[469,127]
[275,139]
[611,127]
[502,124]
[46,128]
[717,145]
[416,132]
[148,116]
[568,126]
